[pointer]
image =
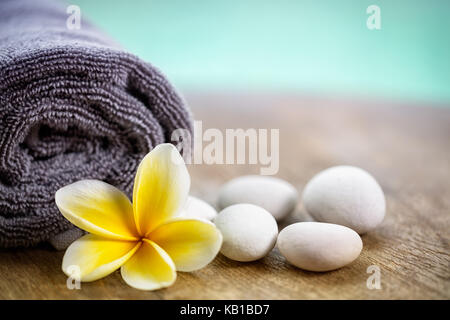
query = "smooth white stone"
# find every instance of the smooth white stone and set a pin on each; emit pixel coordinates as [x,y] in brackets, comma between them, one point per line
[317,246]
[197,208]
[249,232]
[275,195]
[345,195]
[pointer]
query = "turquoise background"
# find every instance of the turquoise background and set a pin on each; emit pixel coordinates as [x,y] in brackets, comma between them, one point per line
[313,47]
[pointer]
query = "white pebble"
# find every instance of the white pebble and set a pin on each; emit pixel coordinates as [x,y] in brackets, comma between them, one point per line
[275,195]
[317,246]
[249,232]
[197,208]
[345,195]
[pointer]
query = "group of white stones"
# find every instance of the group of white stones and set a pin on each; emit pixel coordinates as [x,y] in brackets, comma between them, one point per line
[344,201]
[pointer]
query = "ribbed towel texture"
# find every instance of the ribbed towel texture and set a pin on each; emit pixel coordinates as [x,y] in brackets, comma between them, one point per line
[73,105]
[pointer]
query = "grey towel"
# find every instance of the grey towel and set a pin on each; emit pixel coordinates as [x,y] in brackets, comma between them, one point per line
[73,105]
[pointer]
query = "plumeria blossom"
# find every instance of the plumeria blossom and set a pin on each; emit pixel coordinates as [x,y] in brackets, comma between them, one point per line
[146,239]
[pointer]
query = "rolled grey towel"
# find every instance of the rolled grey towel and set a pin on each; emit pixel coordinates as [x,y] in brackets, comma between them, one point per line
[73,105]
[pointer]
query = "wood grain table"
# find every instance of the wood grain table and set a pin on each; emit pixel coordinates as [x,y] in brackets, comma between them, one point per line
[405,146]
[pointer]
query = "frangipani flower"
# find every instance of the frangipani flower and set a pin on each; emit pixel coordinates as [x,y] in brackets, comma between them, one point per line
[145,238]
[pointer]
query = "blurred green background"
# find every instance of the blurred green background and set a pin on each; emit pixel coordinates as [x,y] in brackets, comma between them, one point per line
[311,47]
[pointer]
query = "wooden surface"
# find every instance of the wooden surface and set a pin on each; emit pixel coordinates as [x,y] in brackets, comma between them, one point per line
[407,148]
